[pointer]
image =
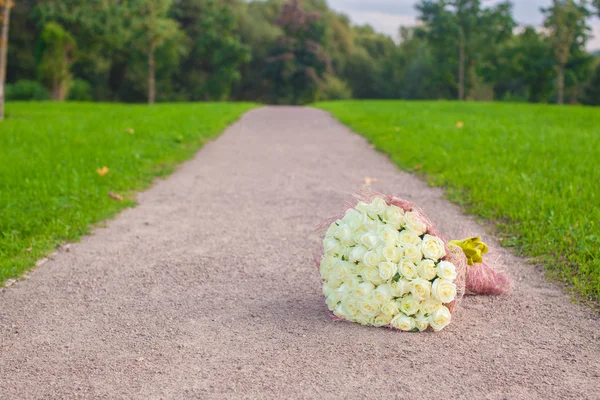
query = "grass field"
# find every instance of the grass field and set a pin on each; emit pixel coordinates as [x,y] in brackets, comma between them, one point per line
[533,170]
[50,188]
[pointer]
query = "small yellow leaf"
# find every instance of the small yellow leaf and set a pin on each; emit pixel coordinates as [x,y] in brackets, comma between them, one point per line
[115,196]
[368,180]
[418,167]
[102,171]
[130,131]
[460,124]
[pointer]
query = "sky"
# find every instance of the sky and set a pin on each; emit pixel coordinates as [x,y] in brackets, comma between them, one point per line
[387,15]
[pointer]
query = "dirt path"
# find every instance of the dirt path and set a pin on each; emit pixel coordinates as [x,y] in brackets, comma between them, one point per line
[208,290]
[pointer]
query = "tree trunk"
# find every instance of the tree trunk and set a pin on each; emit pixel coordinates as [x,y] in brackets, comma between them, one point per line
[561,84]
[3,52]
[461,71]
[151,73]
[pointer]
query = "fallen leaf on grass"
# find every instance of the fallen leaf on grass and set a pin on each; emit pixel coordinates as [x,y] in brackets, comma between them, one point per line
[102,171]
[28,250]
[418,167]
[368,180]
[460,124]
[115,196]
[130,131]
[372,146]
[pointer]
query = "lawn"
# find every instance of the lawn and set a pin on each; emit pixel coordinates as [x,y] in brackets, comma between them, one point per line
[533,170]
[53,184]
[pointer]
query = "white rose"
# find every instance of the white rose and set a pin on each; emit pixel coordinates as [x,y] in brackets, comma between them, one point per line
[327,265]
[433,247]
[421,322]
[372,225]
[391,253]
[354,219]
[358,234]
[371,259]
[388,235]
[340,312]
[333,300]
[352,281]
[390,309]
[421,289]
[394,216]
[346,235]
[363,319]
[400,288]
[368,308]
[409,305]
[408,269]
[412,253]
[370,240]
[440,318]
[363,290]
[387,270]
[408,237]
[331,231]
[403,322]
[430,306]
[371,274]
[427,270]
[362,207]
[351,305]
[443,290]
[382,294]
[357,253]
[340,271]
[415,223]
[332,246]
[446,270]
[381,320]
[377,207]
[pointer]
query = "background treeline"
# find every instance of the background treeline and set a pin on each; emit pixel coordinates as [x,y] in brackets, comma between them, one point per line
[294,52]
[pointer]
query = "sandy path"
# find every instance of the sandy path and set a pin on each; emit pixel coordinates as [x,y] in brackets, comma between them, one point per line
[208,290]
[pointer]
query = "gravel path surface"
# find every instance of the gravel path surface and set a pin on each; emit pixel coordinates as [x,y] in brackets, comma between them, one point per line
[208,290]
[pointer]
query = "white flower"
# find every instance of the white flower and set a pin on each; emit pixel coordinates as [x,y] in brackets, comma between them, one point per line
[381,320]
[332,246]
[391,253]
[363,319]
[409,305]
[368,308]
[346,235]
[371,259]
[400,288]
[415,223]
[327,265]
[427,270]
[340,312]
[382,294]
[393,216]
[387,270]
[362,207]
[363,290]
[388,235]
[333,300]
[433,247]
[358,234]
[420,289]
[443,290]
[371,274]
[412,253]
[351,305]
[354,219]
[372,225]
[421,322]
[390,309]
[370,240]
[408,269]
[357,253]
[352,281]
[446,270]
[331,231]
[377,207]
[403,322]
[440,318]
[340,271]
[430,306]
[408,237]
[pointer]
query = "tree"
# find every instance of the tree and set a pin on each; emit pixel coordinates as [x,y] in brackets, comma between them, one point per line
[592,91]
[566,22]
[56,55]
[298,63]
[152,27]
[5,20]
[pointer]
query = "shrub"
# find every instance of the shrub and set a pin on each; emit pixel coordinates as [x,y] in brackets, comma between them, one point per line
[80,90]
[26,90]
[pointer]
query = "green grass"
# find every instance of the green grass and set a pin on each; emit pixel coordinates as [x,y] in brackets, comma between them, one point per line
[50,191]
[533,170]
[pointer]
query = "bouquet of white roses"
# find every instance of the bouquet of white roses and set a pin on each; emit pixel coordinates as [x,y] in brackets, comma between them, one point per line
[383,264]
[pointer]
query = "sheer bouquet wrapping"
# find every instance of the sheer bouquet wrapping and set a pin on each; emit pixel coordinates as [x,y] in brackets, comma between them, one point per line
[383,264]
